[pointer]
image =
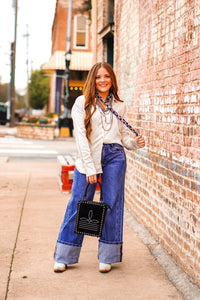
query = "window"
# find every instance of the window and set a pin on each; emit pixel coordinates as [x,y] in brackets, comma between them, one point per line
[81,31]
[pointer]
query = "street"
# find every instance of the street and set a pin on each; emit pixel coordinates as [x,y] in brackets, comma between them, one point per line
[15,148]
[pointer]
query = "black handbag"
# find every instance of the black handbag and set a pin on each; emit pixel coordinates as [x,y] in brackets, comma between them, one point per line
[90,215]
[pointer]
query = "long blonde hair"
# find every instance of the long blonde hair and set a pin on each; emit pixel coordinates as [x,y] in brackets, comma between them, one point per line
[89,92]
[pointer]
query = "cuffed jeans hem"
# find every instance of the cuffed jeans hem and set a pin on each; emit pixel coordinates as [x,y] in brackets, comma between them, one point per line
[66,254]
[110,253]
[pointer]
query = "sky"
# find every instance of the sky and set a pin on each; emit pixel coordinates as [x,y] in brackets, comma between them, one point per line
[39,16]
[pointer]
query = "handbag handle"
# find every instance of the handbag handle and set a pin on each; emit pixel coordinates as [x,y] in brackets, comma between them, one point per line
[101,194]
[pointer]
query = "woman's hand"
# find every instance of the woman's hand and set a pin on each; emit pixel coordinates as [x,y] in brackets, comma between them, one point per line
[140,141]
[92,178]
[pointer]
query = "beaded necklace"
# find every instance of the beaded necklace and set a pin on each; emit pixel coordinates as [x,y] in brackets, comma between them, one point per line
[106,115]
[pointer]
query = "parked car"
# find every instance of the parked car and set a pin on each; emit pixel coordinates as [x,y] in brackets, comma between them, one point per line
[4,112]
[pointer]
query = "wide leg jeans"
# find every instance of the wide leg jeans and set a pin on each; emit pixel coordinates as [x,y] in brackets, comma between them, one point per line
[69,244]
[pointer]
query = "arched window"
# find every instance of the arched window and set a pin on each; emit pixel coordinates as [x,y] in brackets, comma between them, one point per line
[81,31]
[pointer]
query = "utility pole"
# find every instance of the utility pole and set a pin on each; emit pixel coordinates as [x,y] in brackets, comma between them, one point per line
[12,119]
[11,80]
[67,58]
[27,90]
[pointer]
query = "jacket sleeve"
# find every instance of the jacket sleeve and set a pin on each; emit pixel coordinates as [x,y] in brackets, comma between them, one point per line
[82,143]
[128,140]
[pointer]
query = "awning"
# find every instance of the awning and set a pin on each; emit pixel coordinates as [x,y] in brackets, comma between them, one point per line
[80,61]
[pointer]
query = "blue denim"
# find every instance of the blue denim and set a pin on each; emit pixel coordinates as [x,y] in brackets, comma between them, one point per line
[69,244]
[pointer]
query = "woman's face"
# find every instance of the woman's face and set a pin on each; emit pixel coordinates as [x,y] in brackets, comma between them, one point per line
[103,82]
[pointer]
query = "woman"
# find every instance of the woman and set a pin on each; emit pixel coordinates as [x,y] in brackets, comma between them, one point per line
[100,138]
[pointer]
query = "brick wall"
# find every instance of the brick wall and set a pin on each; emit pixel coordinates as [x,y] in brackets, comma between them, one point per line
[157,49]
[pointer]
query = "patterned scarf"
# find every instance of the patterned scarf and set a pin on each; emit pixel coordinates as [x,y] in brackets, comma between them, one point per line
[109,100]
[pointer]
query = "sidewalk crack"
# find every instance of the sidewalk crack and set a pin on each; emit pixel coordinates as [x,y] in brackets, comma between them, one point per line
[17,235]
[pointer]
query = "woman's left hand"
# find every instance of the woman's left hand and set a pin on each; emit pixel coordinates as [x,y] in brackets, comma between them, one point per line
[92,179]
[140,141]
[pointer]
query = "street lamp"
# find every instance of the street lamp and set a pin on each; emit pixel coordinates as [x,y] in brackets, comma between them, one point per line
[68,56]
[63,121]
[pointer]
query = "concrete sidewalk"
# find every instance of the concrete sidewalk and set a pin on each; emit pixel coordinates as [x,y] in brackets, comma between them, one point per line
[32,208]
[6,130]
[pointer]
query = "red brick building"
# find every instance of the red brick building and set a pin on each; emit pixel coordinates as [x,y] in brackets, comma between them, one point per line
[81,57]
[156,58]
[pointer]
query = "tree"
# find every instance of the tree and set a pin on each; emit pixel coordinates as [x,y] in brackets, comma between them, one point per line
[38,90]
[4,92]
[21,101]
